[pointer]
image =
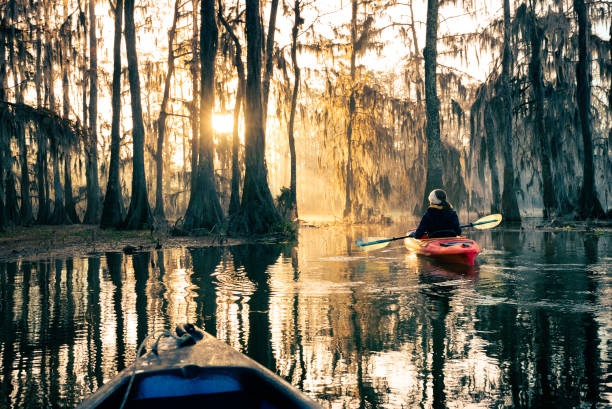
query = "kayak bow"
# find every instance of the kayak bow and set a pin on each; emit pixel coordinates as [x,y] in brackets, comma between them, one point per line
[197,372]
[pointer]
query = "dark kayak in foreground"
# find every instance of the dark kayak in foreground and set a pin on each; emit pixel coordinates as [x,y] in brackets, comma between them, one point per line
[459,249]
[196,370]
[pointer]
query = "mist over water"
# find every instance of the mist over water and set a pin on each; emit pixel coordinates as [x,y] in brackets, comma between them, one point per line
[529,326]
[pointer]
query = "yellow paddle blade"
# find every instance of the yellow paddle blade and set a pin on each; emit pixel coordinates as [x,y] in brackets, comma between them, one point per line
[487,222]
[370,243]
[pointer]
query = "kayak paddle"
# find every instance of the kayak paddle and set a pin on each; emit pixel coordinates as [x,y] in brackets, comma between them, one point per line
[375,243]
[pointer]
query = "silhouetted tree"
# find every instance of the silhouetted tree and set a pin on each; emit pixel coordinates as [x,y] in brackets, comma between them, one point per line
[92,213]
[112,211]
[204,210]
[234,204]
[433,179]
[509,203]
[535,76]
[297,22]
[589,202]
[348,202]
[269,63]
[139,214]
[257,214]
[161,122]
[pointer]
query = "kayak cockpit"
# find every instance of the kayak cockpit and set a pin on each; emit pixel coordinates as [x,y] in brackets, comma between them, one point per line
[197,387]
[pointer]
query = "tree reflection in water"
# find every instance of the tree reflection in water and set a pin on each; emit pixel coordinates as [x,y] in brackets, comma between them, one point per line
[523,328]
[255,259]
[113,264]
[205,260]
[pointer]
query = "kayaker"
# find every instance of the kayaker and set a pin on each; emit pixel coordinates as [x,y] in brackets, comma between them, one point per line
[440,219]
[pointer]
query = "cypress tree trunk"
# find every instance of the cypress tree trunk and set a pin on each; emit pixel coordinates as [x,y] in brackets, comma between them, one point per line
[535,74]
[59,215]
[11,212]
[269,53]
[417,51]
[296,86]
[25,212]
[68,198]
[257,215]
[3,218]
[26,202]
[510,207]
[234,205]
[92,213]
[42,216]
[38,69]
[59,211]
[589,203]
[491,133]
[195,112]
[112,211]
[3,64]
[204,210]
[433,179]
[4,137]
[69,206]
[41,171]
[161,122]
[348,202]
[139,214]
[85,76]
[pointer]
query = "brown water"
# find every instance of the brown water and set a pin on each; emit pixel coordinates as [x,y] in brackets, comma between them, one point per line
[529,326]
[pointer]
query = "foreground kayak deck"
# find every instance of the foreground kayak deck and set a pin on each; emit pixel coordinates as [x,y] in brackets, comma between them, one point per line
[207,374]
[459,249]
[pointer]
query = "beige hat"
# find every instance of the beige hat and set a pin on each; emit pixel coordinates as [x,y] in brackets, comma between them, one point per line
[437,196]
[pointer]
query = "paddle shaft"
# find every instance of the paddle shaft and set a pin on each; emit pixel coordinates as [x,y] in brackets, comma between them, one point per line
[403,237]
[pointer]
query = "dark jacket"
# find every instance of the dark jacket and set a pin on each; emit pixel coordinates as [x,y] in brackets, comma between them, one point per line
[437,222]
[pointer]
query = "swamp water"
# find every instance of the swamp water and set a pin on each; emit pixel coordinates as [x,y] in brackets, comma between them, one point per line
[529,326]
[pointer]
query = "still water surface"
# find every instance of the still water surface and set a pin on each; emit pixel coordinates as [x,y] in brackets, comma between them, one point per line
[529,326]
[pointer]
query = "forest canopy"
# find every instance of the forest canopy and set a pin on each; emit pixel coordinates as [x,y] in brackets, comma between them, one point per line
[241,116]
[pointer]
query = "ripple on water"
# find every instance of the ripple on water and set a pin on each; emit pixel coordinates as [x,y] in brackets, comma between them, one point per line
[491,251]
[347,258]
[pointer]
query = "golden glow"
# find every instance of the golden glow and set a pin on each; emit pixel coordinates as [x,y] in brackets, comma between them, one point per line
[223,124]
[177,157]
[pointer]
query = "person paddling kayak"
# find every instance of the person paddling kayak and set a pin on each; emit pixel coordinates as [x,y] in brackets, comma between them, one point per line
[440,219]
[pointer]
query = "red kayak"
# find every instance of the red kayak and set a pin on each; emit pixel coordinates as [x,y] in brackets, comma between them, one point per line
[450,249]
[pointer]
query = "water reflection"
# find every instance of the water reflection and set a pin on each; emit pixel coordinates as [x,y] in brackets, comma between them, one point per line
[528,326]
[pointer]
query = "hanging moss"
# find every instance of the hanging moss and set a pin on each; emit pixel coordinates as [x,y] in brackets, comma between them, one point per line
[43,125]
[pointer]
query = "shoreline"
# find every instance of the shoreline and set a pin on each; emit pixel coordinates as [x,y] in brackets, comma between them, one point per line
[79,240]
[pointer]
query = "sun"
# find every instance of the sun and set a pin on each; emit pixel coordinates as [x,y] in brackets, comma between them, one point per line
[223,123]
